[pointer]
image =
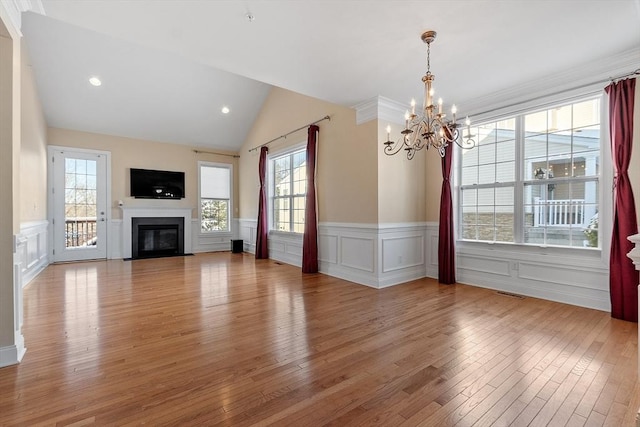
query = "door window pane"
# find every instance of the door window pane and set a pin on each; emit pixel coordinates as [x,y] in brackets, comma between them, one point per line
[80,204]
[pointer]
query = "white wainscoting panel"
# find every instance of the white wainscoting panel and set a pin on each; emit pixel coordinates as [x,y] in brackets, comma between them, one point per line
[12,354]
[482,264]
[327,249]
[369,254]
[569,276]
[286,248]
[358,253]
[115,240]
[348,251]
[432,249]
[247,232]
[213,242]
[376,255]
[402,252]
[32,249]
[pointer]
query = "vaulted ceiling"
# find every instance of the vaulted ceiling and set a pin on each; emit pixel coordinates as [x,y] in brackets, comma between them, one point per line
[168,67]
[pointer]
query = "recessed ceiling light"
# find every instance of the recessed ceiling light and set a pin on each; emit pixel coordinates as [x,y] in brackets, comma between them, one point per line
[95,81]
[225,110]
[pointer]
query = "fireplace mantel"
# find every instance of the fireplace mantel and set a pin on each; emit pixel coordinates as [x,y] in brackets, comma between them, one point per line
[159,212]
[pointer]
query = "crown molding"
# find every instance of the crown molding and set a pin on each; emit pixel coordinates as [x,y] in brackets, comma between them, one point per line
[380,108]
[14,9]
[577,81]
[587,78]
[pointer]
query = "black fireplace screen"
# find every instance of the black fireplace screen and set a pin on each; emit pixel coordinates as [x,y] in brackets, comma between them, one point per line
[156,237]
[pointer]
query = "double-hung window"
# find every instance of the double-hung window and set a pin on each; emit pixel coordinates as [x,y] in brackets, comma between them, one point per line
[288,191]
[534,178]
[215,196]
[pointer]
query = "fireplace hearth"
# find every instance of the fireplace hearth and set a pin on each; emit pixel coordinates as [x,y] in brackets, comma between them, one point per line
[153,237]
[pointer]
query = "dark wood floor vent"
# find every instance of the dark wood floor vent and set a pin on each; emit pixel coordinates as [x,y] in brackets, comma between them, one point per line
[509,294]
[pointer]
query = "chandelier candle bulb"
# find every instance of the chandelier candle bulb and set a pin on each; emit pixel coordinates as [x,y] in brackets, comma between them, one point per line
[413,107]
[439,105]
[406,119]
[388,132]
[454,110]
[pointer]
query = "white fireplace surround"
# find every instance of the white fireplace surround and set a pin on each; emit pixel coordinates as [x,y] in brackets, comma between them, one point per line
[157,212]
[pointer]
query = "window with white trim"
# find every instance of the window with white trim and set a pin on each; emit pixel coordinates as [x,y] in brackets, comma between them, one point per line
[288,191]
[534,178]
[215,196]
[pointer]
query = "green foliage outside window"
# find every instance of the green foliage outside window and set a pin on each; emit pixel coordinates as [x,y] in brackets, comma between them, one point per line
[591,232]
[215,215]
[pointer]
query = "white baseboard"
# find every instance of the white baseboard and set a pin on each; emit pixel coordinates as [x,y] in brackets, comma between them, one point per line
[12,354]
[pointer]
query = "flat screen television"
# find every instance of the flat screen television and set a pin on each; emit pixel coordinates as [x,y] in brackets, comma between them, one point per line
[154,184]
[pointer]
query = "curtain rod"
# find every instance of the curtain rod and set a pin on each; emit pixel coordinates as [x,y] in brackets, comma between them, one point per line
[235,156]
[327,117]
[610,79]
[632,73]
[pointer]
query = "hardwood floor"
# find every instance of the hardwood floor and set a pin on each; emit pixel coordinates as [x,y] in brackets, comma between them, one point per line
[223,339]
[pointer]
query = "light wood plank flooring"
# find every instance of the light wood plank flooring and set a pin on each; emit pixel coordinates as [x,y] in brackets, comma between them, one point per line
[223,339]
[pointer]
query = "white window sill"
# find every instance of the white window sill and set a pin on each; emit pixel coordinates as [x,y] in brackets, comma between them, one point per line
[523,251]
[286,235]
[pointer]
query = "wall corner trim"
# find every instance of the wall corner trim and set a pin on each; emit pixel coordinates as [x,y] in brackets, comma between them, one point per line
[380,108]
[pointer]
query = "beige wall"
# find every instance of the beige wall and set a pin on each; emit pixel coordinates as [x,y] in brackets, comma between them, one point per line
[433,177]
[9,170]
[402,183]
[33,149]
[346,176]
[129,153]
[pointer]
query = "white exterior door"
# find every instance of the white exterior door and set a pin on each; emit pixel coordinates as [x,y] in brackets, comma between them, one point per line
[79,208]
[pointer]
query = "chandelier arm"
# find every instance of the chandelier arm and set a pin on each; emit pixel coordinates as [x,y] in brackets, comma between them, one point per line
[467,144]
[392,148]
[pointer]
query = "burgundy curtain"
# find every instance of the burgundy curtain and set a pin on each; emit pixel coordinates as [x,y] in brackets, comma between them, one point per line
[262,245]
[310,238]
[623,277]
[446,244]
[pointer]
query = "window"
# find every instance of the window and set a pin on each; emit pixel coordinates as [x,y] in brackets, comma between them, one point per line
[215,197]
[533,178]
[288,191]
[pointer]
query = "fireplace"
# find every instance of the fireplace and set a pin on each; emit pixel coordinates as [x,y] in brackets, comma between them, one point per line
[157,237]
[152,213]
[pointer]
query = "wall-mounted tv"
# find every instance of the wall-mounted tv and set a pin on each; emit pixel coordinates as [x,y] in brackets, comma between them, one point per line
[154,184]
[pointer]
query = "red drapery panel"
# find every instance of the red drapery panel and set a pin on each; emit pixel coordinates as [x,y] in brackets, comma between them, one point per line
[310,238]
[623,277]
[446,243]
[262,232]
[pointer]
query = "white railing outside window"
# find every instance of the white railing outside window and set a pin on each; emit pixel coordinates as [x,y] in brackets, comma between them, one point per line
[559,213]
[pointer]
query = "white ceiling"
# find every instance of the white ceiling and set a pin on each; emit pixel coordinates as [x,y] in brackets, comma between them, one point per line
[161,61]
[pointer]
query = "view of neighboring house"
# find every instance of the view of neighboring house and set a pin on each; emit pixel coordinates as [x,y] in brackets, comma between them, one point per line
[557,185]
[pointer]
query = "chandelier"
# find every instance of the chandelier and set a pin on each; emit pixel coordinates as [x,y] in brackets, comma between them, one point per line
[430,128]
